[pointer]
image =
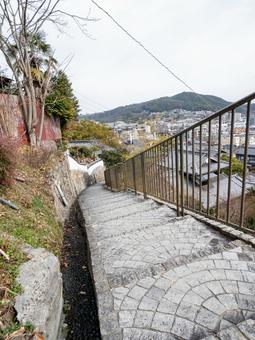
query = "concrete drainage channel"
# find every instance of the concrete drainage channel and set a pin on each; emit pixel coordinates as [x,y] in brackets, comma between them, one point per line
[80,308]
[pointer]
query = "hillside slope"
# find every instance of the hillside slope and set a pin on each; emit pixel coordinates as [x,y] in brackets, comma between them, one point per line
[185,100]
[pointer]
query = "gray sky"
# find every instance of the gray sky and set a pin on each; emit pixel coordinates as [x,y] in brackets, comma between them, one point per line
[208,43]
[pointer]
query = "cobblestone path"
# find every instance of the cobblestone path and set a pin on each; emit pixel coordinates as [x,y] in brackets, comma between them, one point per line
[158,276]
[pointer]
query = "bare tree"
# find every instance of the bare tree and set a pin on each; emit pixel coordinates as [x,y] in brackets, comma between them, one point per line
[21,22]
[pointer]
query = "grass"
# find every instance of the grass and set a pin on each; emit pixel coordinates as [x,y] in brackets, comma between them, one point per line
[35,223]
[9,288]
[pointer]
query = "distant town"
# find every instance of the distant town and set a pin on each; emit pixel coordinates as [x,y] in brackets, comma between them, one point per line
[162,124]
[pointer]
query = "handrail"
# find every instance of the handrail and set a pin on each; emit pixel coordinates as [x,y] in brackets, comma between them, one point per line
[167,170]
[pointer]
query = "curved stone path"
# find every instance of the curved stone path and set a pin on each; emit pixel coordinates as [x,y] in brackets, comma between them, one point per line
[162,277]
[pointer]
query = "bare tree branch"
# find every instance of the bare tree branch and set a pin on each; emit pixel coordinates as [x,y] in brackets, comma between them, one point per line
[20,22]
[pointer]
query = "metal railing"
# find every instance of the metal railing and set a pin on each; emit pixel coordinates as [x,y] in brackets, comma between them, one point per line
[187,169]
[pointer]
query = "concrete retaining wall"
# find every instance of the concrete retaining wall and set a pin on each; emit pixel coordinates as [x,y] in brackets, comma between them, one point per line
[40,278]
[41,301]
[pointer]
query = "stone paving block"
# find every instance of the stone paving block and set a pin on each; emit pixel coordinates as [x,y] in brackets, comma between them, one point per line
[234,316]
[246,288]
[163,283]
[246,302]
[126,318]
[162,322]
[183,328]
[187,311]
[200,332]
[248,276]
[129,303]
[248,328]
[131,334]
[148,304]
[143,319]
[229,286]
[137,292]
[147,282]
[234,275]
[214,306]
[222,264]
[155,293]
[215,287]
[181,285]
[203,291]
[228,300]
[231,334]
[239,265]
[208,319]
[166,306]
[229,255]
[193,298]
[174,295]
[218,274]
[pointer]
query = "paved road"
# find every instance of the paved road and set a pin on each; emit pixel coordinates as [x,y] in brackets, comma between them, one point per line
[158,276]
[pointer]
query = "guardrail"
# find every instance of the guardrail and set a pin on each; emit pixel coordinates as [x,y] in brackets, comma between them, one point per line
[187,169]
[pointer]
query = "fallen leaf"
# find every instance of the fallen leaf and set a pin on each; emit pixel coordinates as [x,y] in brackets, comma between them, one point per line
[39,336]
[19,332]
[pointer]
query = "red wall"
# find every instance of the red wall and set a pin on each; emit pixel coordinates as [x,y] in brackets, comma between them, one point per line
[12,123]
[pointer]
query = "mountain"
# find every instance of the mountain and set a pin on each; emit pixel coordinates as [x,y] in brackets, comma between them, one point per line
[186,100]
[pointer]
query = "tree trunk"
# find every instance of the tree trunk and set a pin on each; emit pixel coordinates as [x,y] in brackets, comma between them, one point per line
[39,140]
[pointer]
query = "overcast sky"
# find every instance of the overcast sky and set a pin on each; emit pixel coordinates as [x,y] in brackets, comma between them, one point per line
[208,43]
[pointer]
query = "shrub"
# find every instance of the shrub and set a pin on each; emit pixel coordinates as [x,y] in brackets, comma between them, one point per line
[81,152]
[9,158]
[36,157]
[113,157]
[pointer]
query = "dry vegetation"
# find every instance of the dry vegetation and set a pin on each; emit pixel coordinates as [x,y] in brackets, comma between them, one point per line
[34,223]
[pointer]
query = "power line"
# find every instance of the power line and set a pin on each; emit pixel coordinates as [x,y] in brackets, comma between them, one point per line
[150,53]
[87,106]
[143,47]
[95,103]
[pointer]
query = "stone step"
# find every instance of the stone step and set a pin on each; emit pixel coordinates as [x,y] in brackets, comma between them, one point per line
[115,214]
[115,204]
[140,221]
[158,276]
[157,248]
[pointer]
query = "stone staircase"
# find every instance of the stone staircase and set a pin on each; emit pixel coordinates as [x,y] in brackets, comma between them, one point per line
[158,276]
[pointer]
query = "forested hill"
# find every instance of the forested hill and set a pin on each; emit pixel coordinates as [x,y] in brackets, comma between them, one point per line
[186,100]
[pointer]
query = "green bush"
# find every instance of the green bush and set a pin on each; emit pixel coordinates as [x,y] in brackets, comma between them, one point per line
[83,151]
[237,166]
[111,158]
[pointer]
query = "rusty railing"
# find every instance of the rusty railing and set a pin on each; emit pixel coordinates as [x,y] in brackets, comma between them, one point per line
[188,171]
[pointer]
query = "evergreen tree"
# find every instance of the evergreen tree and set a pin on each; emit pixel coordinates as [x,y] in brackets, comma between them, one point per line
[61,101]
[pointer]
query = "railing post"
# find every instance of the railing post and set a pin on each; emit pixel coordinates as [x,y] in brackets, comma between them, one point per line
[105,179]
[143,176]
[230,164]
[110,171]
[209,167]
[116,177]
[124,166]
[182,174]
[134,177]
[245,163]
[177,177]
[218,170]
